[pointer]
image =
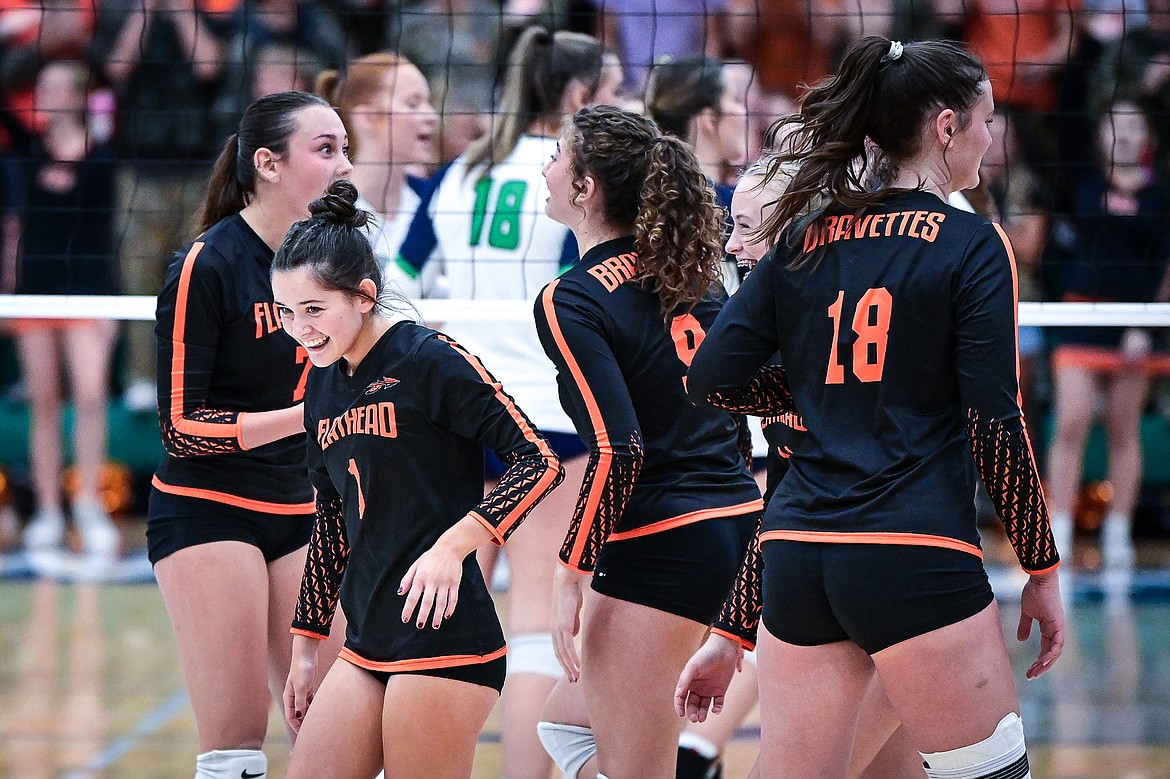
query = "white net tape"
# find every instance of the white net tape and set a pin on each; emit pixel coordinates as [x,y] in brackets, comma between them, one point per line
[141,307]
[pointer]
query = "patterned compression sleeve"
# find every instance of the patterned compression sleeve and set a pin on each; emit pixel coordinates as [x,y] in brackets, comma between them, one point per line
[180,440]
[744,442]
[529,478]
[1003,456]
[601,503]
[766,394]
[739,619]
[324,567]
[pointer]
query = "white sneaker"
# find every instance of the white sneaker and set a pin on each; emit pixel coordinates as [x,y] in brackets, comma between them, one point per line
[1116,546]
[45,531]
[99,534]
[141,396]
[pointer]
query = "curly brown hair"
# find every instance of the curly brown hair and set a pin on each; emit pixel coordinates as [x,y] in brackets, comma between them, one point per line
[653,186]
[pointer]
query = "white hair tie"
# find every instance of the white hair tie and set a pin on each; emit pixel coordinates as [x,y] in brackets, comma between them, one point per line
[894,52]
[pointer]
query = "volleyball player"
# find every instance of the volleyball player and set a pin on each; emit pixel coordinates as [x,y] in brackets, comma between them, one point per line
[667,503]
[496,243]
[385,104]
[399,416]
[895,317]
[231,507]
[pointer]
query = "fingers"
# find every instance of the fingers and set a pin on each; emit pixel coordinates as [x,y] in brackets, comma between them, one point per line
[1051,646]
[1024,628]
[566,651]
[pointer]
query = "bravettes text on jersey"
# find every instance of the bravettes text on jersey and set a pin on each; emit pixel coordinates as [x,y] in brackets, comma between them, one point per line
[221,354]
[396,453]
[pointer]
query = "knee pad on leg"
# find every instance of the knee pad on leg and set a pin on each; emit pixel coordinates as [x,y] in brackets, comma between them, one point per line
[533,653]
[570,746]
[1001,755]
[231,764]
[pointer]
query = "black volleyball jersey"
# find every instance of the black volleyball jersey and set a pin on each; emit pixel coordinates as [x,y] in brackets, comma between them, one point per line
[396,454]
[221,354]
[899,348]
[656,461]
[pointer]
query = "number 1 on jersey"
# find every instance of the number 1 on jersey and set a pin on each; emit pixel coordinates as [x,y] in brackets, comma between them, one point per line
[357,478]
[871,323]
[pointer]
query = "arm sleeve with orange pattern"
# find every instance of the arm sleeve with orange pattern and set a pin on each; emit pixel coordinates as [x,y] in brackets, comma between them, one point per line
[595,396]
[986,362]
[324,567]
[739,619]
[189,320]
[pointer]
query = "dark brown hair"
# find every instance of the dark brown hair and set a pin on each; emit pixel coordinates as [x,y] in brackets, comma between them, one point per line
[333,244]
[268,123]
[653,186]
[876,96]
[679,88]
[541,67]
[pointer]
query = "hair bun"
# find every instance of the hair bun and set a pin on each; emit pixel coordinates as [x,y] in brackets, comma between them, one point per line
[339,205]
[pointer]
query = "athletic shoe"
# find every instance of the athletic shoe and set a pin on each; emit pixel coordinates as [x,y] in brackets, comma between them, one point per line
[99,535]
[692,765]
[45,531]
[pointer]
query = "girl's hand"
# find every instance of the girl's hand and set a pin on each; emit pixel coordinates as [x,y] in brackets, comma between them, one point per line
[706,677]
[568,597]
[302,681]
[432,583]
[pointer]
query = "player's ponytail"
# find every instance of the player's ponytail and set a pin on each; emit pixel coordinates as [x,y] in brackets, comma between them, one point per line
[679,88]
[333,245]
[652,185]
[268,123]
[540,70]
[855,127]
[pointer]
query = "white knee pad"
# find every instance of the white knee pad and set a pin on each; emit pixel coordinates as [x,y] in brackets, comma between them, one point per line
[533,653]
[570,746]
[1002,755]
[231,764]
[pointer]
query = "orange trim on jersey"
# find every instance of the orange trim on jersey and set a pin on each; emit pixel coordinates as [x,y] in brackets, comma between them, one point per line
[743,642]
[605,461]
[178,363]
[421,663]
[689,519]
[1007,245]
[497,539]
[898,539]
[235,500]
[530,435]
[308,633]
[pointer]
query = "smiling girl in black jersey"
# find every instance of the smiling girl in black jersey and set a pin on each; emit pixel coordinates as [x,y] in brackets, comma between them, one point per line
[398,416]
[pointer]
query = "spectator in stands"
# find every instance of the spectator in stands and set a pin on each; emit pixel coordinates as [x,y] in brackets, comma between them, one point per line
[465,113]
[164,59]
[450,40]
[32,33]
[306,36]
[1024,45]
[642,31]
[66,248]
[796,42]
[384,102]
[1118,247]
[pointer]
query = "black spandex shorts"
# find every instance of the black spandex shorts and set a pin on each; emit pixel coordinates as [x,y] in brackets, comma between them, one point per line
[490,674]
[565,445]
[687,570]
[176,522]
[875,595]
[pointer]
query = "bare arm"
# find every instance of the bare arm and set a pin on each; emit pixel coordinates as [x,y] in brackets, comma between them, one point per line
[127,52]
